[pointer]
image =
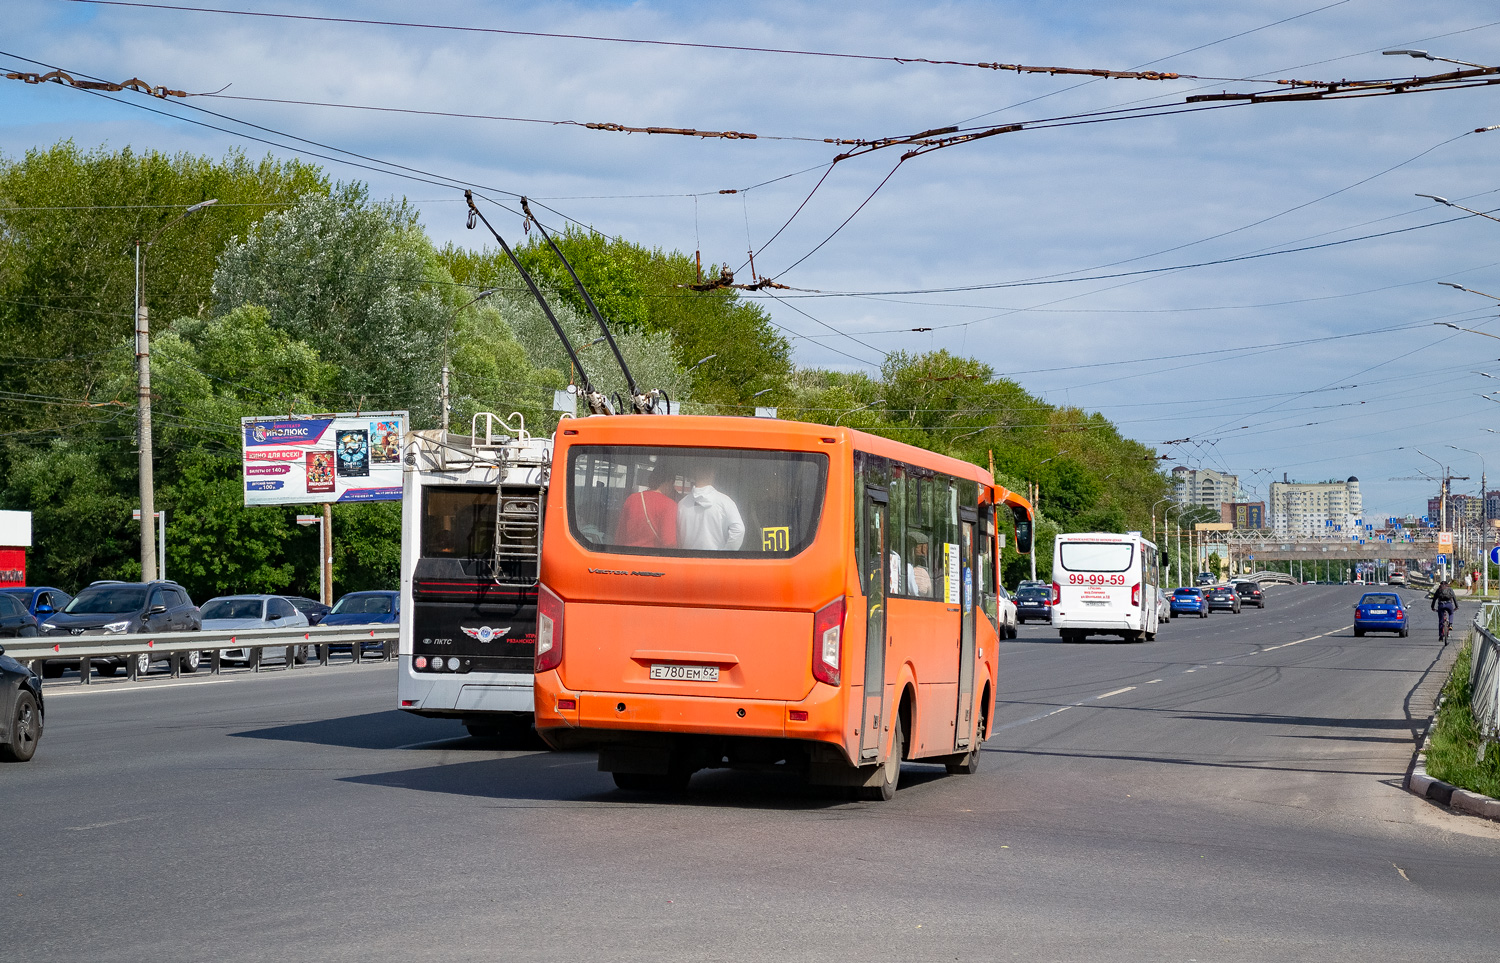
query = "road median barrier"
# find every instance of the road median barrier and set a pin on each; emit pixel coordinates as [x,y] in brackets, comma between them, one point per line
[175,646]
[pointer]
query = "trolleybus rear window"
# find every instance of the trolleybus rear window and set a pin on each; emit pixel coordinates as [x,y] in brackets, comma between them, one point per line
[458,522]
[1096,556]
[695,501]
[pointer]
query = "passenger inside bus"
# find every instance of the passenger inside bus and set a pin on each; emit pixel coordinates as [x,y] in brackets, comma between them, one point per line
[708,519]
[648,519]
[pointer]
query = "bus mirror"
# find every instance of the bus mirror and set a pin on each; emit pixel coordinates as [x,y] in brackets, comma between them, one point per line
[1023,530]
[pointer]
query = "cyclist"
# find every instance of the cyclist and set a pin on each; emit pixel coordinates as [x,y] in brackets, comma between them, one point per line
[1444,603]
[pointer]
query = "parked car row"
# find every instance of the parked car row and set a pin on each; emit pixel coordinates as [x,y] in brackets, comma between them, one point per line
[110,607]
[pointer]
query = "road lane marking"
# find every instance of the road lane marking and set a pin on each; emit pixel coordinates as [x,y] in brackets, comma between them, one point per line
[1153,682]
[1283,645]
[117,687]
[1115,692]
[113,822]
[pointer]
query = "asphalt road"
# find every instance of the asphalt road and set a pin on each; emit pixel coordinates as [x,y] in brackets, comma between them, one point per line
[1230,791]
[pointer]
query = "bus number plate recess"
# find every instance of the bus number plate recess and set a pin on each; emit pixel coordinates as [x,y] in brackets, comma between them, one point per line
[685,673]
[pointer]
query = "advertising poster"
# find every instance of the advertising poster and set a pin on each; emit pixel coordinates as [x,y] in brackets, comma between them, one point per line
[309,459]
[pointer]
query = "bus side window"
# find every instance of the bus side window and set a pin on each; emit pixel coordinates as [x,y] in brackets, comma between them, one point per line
[896,536]
[989,602]
[919,542]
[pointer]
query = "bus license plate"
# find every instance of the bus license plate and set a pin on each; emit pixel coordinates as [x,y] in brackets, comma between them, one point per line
[686,673]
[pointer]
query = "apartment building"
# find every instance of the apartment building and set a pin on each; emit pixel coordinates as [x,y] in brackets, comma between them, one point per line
[1315,509]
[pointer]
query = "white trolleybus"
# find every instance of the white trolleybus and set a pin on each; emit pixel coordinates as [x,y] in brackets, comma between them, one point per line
[1104,584]
[470,557]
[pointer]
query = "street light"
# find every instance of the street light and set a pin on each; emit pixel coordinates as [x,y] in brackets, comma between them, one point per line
[143,397]
[448,337]
[1424,55]
[1447,203]
[877,401]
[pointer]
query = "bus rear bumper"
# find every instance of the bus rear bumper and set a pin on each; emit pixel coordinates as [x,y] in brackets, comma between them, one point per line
[613,722]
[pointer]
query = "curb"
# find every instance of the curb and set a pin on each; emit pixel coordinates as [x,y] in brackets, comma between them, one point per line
[1418,783]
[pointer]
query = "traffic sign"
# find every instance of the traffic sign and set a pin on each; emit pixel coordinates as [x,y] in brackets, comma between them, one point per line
[1440,560]
[1495,554]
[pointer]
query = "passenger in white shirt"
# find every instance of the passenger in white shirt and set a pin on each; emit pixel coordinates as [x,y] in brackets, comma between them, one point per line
[708,519]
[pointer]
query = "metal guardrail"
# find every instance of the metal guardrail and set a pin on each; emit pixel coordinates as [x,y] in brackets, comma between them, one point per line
[1265,578]
[1484,671]
[174,645]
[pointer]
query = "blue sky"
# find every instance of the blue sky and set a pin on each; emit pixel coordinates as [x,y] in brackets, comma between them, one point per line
[1325,361]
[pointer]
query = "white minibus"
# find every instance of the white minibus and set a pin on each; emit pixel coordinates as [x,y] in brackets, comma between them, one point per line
[1104,584]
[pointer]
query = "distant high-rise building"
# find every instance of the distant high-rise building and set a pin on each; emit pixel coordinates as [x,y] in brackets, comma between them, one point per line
[1204,487]
[1304,510]
[1466,507]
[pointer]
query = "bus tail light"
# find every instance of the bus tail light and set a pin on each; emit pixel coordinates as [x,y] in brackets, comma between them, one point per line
[1135,595]
[549,629]
[1056,594]
[828,642]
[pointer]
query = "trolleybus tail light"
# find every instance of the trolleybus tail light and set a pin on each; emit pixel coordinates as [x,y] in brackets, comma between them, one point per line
[567,704]
[549,629]
[1135,594]
[1056,594]
[828,642]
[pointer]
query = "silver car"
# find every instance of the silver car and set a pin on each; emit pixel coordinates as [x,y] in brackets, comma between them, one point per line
[230,612]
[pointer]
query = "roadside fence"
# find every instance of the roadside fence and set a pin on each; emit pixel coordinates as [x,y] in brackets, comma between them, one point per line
[177,648]
[1484,670]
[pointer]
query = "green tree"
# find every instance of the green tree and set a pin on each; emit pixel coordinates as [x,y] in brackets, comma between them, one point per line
[360,283]
[68,219]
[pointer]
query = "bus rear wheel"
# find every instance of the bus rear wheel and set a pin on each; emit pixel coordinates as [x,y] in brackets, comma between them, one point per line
[890,772]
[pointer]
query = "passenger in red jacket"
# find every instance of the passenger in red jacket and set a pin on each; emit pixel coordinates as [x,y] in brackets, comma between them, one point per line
[649,517]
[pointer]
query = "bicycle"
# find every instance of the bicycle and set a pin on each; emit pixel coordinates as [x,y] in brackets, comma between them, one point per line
[1445,622]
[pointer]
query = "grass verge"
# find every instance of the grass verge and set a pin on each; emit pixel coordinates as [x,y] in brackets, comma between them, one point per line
[1453,752]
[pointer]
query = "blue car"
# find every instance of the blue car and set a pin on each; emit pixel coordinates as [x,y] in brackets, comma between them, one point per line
[364,608]
[1189,601]
[1380,612]
[43,601]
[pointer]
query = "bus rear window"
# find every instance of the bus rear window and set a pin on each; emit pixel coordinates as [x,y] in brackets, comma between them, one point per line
[1096,556]
[695,501]
[458,522]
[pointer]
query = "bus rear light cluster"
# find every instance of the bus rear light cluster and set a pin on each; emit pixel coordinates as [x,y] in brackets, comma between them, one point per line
[437,663]
[828,642]
[1056,594]
[549,629]
[567,704]
[1135,595]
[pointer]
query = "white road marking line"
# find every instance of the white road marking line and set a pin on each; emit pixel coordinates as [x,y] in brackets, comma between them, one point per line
[118,687]
[1308,639]
[1153,682]
[113,822]
[1115,692]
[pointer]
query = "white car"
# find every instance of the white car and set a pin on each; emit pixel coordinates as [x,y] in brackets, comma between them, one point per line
[230,612]
[1009,625]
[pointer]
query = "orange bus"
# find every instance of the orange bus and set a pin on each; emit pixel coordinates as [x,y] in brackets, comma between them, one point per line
[753,593]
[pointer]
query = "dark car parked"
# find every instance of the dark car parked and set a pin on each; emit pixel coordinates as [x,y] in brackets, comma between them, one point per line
[15,621]
[1033,603]
[1251,593]
[120,608]
[312,608]
[1222,597]
[40,600]
[20,710]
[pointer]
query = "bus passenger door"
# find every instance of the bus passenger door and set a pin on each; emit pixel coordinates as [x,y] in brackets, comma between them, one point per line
[877,544]
[968,562]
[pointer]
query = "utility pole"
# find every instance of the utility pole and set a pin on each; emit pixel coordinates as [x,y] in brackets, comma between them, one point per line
[143,427]
[445,403]
[327,533]
[143,401]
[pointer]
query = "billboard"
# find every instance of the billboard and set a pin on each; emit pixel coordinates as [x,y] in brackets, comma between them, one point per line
[307,459]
